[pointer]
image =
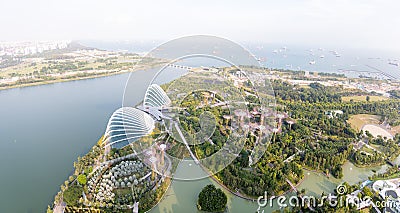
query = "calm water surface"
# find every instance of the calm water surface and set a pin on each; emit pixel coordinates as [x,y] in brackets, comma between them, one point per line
[43,129]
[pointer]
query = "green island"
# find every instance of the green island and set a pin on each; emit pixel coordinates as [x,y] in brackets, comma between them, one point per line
[212,199]
[321,121]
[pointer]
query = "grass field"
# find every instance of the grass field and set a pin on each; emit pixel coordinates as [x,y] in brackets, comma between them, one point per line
[363,98]
[367,150]
[358,121]
[23,68]
[377,147]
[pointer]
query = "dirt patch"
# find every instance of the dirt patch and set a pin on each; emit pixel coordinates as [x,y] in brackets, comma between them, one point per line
[395,130]
[377,130]
[358,121]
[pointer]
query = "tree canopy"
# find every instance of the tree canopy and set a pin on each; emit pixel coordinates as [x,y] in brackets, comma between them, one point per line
[72,194]
[212,199]
[82,179]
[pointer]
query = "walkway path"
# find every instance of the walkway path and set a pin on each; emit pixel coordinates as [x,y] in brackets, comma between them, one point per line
[135,208]
[291,185]
[186,144]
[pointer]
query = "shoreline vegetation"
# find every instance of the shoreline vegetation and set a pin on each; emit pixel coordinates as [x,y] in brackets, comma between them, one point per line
[45,82]
[87,179]
[75,77]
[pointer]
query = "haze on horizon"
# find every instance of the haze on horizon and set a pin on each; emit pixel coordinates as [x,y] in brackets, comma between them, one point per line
[371,24]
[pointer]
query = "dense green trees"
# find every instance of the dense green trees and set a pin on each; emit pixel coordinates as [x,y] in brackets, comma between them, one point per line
[212,199]
[317,141]
[395,93]
[316,93]
[82,179]
[269,174]
[72,194]
[320,97]
[326,140]
[388,149]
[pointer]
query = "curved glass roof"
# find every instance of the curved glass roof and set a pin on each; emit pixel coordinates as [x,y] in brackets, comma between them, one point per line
[126,125]
[155,97]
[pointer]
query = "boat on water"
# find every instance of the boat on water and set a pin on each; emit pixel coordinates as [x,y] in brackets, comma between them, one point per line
[261,59]
[335,53]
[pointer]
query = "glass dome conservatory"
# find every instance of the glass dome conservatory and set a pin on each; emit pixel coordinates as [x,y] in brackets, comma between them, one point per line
[155,97]
[127,125]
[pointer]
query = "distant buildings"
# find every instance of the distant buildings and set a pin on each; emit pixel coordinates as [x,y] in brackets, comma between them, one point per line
[30,48]
[334,113]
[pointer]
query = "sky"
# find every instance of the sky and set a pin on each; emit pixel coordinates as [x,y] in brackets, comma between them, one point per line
[355,23]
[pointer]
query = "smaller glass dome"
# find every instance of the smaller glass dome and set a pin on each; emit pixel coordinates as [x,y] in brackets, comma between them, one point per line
[155,97]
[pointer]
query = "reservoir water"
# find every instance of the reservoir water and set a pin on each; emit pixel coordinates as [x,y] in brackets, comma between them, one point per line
[43,129]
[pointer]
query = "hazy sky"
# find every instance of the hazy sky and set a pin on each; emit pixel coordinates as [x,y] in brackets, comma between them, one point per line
[358,23]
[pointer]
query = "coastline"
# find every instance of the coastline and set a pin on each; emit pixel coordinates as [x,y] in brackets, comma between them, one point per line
[316,171]
[237,194]
[76,77]
[61,80]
